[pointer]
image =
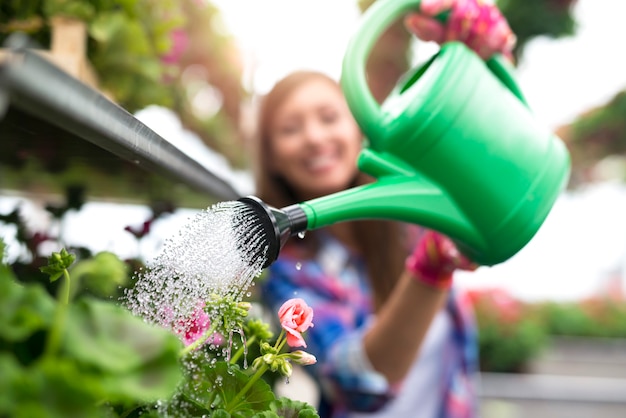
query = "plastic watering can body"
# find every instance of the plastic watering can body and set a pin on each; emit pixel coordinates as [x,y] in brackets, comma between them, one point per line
[454,148]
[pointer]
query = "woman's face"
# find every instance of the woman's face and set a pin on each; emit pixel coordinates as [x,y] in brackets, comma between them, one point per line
[314,140]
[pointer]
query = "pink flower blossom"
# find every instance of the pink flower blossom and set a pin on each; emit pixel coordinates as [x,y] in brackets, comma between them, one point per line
[180,41]
[295,317]
[195,326]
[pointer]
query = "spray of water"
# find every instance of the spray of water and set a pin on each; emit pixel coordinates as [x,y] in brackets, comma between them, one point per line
[218,252]
[215,256]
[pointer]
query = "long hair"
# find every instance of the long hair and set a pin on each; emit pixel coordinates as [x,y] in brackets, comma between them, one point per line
[381,243]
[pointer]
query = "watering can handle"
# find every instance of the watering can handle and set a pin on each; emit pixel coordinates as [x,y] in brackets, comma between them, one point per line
[354,82]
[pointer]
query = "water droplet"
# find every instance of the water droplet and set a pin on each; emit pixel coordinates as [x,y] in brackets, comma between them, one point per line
[301,234]
[230,345]
[298,266]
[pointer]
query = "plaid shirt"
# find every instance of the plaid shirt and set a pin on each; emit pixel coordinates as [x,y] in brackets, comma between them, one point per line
[334,284]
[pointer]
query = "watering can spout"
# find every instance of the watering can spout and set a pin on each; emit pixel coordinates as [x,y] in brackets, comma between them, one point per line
[412,199]
[276,225]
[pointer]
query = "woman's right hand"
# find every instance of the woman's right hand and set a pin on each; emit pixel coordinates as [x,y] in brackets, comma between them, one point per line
[478,24]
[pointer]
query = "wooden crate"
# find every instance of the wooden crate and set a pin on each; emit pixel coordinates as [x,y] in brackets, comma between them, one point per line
[68,49]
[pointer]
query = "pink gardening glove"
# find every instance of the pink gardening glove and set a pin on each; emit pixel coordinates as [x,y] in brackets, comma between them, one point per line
[476,23]
[434,260]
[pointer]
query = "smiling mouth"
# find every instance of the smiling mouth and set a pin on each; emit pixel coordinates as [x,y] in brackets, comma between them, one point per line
[321,163]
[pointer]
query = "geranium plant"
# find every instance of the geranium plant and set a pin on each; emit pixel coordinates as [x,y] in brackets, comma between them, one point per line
[216,384]
[91,357]
[509,334]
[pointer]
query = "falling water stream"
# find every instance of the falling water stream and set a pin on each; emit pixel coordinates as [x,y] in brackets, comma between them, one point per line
[218,252]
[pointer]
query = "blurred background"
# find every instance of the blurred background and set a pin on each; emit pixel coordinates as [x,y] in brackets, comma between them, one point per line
[194,70]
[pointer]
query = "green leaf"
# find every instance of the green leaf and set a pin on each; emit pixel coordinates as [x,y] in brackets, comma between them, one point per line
[258,328]
[287,408]
[220,413]
[10,373]
[69,8]
[103,274]
[62,388]
[3,248]
[136,360]
[24,309]
[104,27]
[267,414]
[53,388]
[52,272]
[218,384]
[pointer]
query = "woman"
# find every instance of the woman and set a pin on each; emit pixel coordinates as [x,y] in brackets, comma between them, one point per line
[390,336]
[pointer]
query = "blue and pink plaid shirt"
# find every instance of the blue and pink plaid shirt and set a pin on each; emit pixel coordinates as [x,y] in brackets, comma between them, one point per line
[334,284]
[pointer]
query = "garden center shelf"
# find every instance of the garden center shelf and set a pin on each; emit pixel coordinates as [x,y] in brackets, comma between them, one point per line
[41,104]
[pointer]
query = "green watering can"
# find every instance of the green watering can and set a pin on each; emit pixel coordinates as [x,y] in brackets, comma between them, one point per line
[454,148]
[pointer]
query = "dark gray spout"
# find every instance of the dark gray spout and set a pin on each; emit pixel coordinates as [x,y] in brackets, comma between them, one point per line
[277,224]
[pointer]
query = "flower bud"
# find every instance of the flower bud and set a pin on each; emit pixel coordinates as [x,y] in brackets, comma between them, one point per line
[269,358]
[244,305]
[256,364]
[285,368]
[267,348]
[303,358]
[242,309]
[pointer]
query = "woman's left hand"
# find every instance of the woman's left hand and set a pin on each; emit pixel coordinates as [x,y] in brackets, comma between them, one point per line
[434,260]
[478,24]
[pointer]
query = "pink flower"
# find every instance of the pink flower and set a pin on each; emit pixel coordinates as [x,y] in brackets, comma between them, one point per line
[195,326]
[180,41]
[295,317]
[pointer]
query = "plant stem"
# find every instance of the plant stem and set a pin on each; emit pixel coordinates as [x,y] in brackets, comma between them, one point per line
[239,352]
[236,399]
[63,296]
[197,343]
[279,340]
[65,288]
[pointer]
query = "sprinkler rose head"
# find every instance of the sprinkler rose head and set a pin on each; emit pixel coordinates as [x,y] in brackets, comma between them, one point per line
[276,226]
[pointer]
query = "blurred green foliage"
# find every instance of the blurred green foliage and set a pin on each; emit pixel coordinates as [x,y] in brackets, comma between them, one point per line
[532,18]
[509,334]
[87,357]
[512,333]
[596,317]
[140,51]
[126,41]
[596,135]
